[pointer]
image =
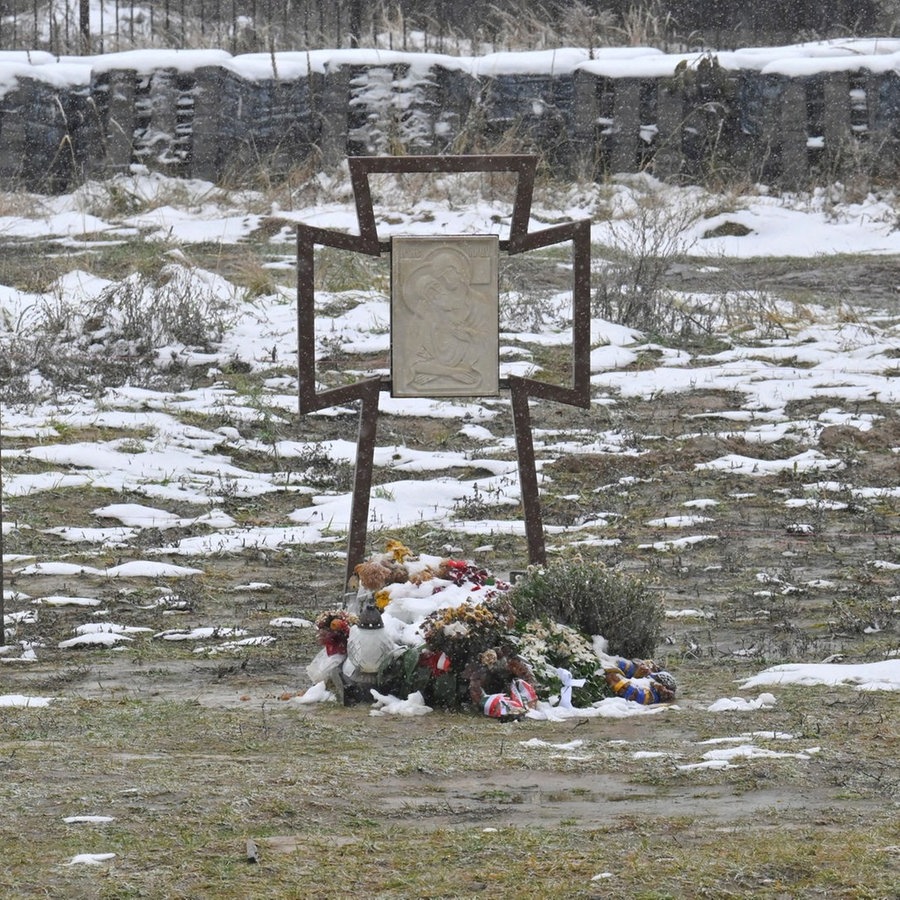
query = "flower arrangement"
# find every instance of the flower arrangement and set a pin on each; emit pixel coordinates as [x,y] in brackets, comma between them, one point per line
[549,646]
[333,629]
[555,645]
[458,625]
[464,632]
[382,598]
[461,572]
[398,550]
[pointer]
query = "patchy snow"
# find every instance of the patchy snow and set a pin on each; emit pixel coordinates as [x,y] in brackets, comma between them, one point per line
[677,521]
[21,700]
[90,859]
[808,461]
[389,705]
[608,708]
[90,820]
[187,474]
[261,640]
[94,639]
[538,744]
[678,544]
[58,600]
[875,55]
[111,628]
[290,622]
[198,634]
[742,704]
[133,569]
[875,676]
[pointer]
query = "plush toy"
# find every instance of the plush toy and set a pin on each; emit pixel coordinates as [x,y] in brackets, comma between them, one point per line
[375,575]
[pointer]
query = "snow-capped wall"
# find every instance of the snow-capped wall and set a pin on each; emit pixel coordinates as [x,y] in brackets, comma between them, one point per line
[766,112]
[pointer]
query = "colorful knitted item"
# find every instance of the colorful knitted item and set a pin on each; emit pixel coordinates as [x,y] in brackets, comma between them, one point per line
[635,668]
[645,690]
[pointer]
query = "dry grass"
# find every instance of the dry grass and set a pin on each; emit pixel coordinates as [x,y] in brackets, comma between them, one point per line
[339,803]
[342,804]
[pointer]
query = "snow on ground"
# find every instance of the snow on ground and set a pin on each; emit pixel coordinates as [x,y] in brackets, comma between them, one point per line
[878,676]
[848,362]
[22,700]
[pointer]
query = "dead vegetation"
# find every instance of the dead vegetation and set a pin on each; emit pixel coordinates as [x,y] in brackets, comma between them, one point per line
[193,752]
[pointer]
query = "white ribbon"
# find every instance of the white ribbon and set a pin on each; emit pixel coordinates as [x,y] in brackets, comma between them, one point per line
[568,682]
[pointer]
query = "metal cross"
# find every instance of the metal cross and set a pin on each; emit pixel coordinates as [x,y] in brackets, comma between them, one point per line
[521,389]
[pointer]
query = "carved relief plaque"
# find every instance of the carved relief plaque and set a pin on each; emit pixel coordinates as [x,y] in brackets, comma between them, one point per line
[445,335]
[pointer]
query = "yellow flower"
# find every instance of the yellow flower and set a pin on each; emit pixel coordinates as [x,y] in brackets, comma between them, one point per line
[398,550]
[382,598]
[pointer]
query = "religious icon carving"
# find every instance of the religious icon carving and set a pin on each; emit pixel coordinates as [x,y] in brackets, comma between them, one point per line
[444,316]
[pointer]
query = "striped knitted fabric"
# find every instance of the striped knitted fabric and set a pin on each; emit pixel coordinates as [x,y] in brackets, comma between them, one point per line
[628,666]
[646,692]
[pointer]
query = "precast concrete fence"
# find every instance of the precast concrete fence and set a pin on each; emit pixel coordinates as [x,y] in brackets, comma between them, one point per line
[774,115]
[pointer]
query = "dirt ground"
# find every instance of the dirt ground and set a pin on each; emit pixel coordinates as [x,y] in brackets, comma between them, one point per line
[749,587]
[775,585]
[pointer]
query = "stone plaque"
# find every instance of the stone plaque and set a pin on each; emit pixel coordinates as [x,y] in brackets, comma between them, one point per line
[445,334]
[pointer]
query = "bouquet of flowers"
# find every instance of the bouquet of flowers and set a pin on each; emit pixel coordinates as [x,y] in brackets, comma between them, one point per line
[460,572]
[333,629]
[464,618]
[464,632]
[463,646]
[549,646]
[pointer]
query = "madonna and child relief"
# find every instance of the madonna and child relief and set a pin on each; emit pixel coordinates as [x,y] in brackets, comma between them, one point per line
[444,316]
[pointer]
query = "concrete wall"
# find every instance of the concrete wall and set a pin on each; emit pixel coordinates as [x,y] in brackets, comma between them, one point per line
[213,124]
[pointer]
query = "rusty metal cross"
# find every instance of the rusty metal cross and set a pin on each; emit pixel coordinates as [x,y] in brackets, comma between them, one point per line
[521,389]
